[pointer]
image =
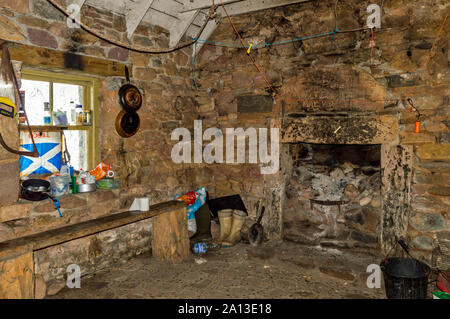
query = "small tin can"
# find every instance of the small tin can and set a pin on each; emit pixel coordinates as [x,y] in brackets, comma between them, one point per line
[87,117]
[200,248]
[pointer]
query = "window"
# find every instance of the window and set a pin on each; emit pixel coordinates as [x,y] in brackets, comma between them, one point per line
[50,103]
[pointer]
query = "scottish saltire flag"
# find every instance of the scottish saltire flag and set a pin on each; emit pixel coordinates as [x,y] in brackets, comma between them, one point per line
[50,157]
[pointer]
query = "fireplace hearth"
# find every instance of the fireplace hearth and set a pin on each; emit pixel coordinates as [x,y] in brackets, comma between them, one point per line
[345,181]
[333,196]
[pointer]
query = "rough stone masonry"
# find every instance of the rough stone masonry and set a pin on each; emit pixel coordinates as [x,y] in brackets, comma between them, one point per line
[311,76]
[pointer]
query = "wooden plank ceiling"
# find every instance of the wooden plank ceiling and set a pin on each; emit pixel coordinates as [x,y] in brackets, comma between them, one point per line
[180,17]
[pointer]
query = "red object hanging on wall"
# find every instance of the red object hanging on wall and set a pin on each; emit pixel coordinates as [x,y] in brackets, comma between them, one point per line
[417,127]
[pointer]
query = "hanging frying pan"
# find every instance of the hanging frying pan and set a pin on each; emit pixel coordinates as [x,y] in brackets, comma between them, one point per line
[127,123]
[129,96]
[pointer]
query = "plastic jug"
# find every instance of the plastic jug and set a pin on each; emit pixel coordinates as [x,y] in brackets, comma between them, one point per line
[60,185]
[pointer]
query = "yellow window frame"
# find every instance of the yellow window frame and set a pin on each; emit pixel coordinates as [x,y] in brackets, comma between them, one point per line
[90,102]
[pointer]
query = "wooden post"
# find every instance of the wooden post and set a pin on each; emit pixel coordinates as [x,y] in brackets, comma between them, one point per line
[17,277]
[170,240]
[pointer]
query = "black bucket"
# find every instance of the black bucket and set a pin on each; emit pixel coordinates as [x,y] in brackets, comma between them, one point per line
[405,278]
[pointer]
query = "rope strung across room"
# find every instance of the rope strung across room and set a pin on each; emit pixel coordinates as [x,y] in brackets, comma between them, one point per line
[248,54]
[135,48]
[211,15]
[333,33]
[265,45]
[255,47]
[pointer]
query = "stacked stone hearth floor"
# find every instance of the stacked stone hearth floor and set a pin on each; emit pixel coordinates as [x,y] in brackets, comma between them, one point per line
[275,270]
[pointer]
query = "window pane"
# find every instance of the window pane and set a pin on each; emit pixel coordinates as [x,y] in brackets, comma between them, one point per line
[63,94]
[77,144]
[36,93]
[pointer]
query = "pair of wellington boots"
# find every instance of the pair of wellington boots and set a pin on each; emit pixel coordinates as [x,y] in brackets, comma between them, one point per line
[231,222]
[203,220]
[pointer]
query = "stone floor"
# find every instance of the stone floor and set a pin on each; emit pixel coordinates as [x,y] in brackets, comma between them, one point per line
[275,270]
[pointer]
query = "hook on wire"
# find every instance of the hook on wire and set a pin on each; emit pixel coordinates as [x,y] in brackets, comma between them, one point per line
[413,108]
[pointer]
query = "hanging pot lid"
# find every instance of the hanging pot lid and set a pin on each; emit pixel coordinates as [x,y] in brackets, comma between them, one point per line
[127,123]
[130,98]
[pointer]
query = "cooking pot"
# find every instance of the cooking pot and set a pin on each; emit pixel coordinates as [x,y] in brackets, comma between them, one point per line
[37,190]
[127,123]
[86,188]
[130,98]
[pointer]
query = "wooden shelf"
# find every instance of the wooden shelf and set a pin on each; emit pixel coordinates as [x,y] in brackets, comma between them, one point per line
[15,247]
[54,127]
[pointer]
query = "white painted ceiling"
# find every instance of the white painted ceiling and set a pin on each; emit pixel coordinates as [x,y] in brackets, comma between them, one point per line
[180,17]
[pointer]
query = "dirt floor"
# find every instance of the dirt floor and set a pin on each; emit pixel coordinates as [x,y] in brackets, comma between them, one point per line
[275,270]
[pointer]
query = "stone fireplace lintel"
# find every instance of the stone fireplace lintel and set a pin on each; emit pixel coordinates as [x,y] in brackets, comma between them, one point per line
[341,129]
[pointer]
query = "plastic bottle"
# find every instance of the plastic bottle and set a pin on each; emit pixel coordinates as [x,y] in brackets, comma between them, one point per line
[79,114]
[73,114]
[22,119]
[74,184]
[82,177]
[200,248]
[21,112]
[47,116]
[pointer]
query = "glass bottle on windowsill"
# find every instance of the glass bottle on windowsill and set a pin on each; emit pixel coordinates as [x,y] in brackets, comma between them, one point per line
[87,117]
[79,113]
[47,116]
[73,113]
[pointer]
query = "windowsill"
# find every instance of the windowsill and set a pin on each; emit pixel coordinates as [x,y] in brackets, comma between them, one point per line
[32,217]
[23,127]
[98,190]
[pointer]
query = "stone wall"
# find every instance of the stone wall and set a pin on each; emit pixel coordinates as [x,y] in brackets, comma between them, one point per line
[318,75]
[142,163]
[325,75]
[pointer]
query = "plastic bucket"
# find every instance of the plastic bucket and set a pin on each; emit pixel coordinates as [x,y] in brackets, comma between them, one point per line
[405,278]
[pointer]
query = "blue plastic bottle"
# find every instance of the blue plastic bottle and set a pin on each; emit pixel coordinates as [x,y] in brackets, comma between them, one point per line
[47,117]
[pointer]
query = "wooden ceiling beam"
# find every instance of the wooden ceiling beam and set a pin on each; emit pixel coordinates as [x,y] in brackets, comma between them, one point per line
[248,6]
[178,30]
[170,7]
[207,32]
[135,12]
[203,4]
[161,19]
[80,3]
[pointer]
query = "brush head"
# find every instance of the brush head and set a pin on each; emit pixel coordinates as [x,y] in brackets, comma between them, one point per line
[255,234]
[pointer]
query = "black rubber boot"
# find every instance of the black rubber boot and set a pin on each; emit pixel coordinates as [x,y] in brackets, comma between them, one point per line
[203,220]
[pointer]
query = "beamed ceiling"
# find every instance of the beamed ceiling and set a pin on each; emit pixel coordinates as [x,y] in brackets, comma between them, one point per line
[180,17]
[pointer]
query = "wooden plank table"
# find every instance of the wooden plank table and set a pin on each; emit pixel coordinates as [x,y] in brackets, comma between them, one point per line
[16,255]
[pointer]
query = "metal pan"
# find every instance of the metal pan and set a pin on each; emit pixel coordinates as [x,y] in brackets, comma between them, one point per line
[37,190]
[127,123]
[130,98]
[86,188]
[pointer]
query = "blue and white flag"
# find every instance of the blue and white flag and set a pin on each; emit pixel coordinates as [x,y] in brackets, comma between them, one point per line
[50,157]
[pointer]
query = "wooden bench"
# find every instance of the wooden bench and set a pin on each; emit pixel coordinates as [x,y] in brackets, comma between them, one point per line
[16,256]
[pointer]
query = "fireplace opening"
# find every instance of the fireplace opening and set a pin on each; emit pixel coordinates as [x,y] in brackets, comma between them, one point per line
[333,195]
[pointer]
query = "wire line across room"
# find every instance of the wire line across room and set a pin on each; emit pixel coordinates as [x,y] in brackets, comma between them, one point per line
[212,15]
